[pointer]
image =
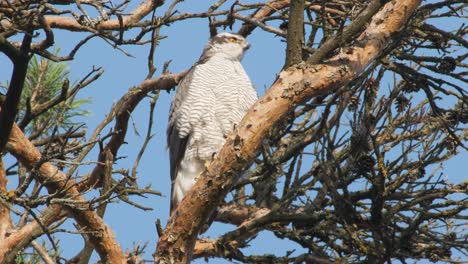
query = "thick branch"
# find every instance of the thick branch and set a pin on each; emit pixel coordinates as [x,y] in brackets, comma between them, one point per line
[9,50]
[294,86]
[20,61]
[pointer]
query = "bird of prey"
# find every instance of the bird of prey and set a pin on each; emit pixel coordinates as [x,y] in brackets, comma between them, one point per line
[213,97]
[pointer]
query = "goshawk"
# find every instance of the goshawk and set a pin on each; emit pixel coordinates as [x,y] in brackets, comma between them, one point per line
[213,96]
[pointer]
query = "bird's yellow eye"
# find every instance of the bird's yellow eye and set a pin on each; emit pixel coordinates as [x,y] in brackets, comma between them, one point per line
[233,40]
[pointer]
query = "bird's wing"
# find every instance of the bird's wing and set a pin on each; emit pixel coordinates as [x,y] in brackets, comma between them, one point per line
[175,143]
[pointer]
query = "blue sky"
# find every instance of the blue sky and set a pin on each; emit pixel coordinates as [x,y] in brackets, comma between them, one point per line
[183,46]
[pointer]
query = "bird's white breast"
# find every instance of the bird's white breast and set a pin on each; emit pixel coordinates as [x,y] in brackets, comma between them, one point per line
[219,95]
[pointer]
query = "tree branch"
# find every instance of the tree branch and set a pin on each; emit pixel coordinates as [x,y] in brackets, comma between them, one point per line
[20,59]
[42,252]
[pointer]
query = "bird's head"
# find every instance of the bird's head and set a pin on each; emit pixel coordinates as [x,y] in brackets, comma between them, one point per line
[230,45]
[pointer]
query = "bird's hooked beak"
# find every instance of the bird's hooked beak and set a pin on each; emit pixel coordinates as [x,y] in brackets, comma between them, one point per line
[247,46]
